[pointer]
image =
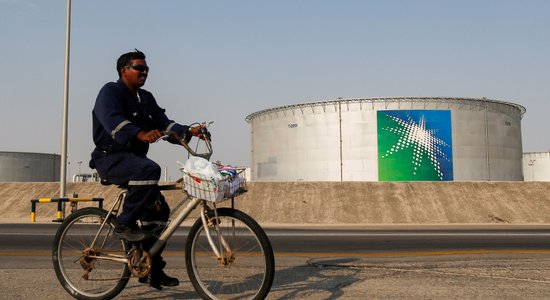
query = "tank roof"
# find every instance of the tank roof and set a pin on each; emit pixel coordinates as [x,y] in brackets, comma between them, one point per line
[521,109]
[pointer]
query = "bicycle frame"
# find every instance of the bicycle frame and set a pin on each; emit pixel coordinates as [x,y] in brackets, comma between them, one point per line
[168,231]
[174,224]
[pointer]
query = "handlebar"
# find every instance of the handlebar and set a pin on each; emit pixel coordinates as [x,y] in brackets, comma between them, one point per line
[185,141]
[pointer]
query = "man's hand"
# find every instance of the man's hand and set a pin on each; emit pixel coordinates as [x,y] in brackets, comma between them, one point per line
[200,132]
[149,137]
[195,131]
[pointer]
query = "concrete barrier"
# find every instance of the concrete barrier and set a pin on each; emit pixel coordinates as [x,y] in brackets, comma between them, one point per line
[337,202]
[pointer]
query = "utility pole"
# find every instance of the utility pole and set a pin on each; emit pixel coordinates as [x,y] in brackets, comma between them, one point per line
[63,173]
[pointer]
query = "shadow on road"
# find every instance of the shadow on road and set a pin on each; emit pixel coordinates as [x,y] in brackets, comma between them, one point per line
[316,278]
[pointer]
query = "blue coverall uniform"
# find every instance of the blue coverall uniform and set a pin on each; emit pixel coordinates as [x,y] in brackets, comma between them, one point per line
[120,158]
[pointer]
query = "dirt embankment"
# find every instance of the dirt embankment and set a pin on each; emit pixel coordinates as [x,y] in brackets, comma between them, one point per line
[334,202]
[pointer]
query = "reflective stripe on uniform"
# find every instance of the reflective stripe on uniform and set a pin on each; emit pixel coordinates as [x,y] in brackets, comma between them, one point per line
[170,126]
[119,127]
[143,182]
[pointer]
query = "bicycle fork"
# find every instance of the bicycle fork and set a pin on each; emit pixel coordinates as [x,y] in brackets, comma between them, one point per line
[224,257]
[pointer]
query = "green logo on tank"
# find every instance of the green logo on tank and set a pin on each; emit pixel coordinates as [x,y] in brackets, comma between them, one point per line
[415,145]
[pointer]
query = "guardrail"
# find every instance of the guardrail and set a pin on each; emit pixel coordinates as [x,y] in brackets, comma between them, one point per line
[60,205]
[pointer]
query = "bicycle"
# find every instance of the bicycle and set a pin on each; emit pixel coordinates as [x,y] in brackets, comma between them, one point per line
[227,253]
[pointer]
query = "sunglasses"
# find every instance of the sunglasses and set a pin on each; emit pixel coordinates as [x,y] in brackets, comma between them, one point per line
[139,68]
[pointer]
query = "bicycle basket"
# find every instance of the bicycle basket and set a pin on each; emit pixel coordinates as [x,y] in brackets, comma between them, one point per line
[210,189]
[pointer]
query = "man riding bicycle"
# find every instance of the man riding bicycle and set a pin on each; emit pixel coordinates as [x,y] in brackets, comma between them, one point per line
[126,119]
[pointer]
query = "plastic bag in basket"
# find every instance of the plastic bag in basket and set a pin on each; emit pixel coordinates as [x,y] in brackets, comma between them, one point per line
[232,179]
[202,168]
[203,180]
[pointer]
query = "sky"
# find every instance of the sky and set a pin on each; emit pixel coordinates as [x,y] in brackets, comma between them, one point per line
[223,60]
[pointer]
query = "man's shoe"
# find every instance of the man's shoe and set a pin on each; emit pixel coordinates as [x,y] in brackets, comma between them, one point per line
[159,279]
[147,279]
[130,234]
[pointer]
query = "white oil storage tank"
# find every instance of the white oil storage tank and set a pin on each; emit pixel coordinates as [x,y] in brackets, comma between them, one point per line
[536,166]
[29,167]
[388,139]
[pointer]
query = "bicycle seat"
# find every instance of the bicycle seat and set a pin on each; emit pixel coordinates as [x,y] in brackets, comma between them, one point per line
[168,187]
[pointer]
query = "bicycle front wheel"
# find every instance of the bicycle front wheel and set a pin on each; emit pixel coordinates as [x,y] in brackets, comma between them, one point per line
[246,268]
[84,256]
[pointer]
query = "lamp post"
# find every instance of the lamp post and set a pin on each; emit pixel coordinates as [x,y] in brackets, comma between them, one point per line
[63,173]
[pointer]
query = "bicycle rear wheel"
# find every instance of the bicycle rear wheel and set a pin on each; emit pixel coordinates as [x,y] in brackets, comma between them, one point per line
[248,267]
[80,267]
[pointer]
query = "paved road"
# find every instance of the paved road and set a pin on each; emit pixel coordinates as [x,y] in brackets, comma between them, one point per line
[336,240]
[344,263]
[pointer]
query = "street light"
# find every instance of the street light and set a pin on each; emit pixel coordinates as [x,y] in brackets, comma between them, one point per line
[63,173]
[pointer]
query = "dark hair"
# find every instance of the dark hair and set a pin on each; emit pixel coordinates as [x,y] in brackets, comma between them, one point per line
[126,58]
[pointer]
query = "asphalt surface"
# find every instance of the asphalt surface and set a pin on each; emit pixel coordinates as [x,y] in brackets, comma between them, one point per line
[450,277]
[511,262]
